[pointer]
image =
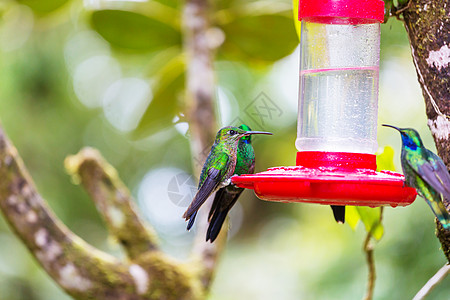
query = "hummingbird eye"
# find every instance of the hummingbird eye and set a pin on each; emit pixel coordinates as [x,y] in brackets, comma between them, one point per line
[232,132]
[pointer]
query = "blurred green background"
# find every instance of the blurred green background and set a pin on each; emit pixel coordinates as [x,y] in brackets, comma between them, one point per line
[110,74]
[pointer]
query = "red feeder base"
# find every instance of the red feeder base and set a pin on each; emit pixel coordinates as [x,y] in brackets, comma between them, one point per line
[330,178]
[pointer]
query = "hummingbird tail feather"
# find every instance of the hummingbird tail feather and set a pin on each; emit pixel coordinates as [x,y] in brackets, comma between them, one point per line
[443,216]
[339,213]
[191,221]
[220,213]
[215,225]
[440,212]
[444,220]
[220,194]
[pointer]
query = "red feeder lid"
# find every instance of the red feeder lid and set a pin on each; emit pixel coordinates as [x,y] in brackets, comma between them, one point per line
[330,178]
[356,11]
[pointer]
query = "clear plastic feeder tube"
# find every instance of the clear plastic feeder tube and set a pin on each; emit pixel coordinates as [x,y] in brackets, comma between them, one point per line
[338,98]
[335,164]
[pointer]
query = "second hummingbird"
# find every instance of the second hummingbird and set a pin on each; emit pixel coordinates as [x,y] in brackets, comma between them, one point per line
[426,172]
[218,168]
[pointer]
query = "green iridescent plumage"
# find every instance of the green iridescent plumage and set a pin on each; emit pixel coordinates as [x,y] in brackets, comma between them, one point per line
[218,168]
[226,197]
[245,163]
[426,172]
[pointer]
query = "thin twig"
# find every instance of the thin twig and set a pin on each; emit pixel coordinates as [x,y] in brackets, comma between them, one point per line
[433,282]
[397,11]
[368,249]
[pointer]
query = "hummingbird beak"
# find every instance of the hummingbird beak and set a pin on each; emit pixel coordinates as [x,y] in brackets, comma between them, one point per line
[386,125]
[257,132]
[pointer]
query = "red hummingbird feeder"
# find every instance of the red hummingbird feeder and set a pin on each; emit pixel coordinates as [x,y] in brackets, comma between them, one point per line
[337,117]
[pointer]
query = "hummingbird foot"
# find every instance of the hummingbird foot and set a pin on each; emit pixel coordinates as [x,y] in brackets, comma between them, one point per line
[226,182]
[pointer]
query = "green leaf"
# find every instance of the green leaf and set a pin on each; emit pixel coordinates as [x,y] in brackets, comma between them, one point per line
[385,160]
[352,217]
[167,87]
[297,23]
[371,220]
[156,63]
[130,30]
[222,4]
[170,3]
[43,6]
[166,12]
[259,38]
[369,216]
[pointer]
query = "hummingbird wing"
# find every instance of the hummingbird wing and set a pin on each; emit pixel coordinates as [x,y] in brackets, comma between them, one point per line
[435,173]
[430,183]
[433,199]
[223,201]
[214,177]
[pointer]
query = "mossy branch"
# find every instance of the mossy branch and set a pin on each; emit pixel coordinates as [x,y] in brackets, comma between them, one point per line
[83,271]
[113,201]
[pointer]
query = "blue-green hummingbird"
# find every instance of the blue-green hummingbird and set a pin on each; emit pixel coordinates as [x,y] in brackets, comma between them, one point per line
[227,196]
[218,168]
[426,172]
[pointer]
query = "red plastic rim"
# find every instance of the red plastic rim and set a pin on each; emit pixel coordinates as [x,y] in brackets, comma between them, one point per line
[341,160]
[349,11]
[336,181]
[329,187]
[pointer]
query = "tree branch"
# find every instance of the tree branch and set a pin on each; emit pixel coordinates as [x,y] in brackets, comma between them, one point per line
[368,249]
[433,282]
[200,91]
[428,24]
[113,201]
[76,266]
[200,81]
[81,270]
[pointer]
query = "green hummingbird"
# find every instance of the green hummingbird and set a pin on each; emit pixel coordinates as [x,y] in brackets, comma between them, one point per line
[426,172]
[218,168]
[227,196]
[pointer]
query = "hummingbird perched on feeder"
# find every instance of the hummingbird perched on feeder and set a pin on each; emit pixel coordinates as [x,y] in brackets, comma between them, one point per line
[218,168]
[426,172]
[227,196]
